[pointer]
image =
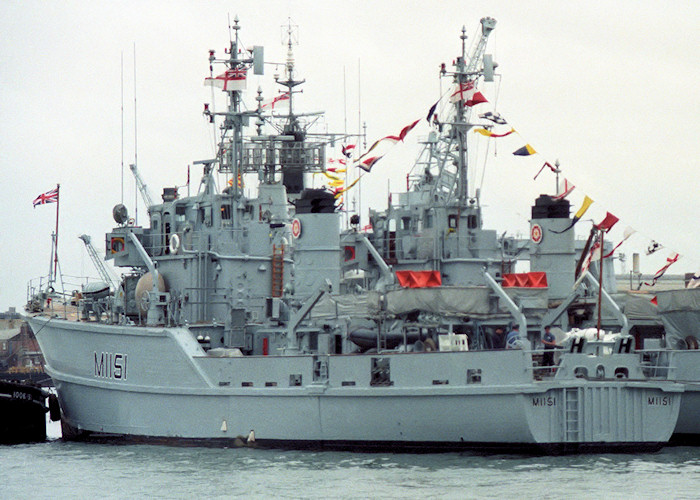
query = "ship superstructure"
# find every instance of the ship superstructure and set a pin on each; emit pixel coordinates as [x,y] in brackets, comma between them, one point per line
[436,228]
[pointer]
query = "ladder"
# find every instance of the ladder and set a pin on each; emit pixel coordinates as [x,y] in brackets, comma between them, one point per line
[571,415]
[277,270]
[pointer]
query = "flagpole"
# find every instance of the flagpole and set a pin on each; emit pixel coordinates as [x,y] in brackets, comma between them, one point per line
[53,244]
[55,255]
[600,282]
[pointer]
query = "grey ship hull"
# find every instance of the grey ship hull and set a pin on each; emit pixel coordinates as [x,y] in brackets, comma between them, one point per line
[158,384]
[686,370]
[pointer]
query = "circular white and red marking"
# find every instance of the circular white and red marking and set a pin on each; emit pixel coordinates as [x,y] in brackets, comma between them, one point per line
[296,228]
[536,233]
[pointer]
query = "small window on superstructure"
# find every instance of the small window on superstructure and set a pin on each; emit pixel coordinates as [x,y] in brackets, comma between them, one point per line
[180,212]
[452,221]
[225,212]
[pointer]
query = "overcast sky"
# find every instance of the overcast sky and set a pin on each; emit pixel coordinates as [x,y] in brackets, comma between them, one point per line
[608,88]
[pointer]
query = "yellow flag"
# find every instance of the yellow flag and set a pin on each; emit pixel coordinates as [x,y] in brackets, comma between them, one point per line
[586,203]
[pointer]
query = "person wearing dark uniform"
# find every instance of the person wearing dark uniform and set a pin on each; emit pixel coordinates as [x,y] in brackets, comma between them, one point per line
[498,340]
[550,342]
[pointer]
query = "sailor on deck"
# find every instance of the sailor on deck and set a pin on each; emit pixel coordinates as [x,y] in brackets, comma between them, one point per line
[550,344]
[513,339]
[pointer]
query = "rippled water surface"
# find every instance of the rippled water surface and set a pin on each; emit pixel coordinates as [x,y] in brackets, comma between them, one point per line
[58,469]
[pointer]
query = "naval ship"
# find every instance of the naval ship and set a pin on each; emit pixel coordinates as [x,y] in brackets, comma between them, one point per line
[256,320]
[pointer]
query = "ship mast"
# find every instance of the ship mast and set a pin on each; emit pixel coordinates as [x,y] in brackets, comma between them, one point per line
[290,82]
[450,153]
[233,82]
[233,121]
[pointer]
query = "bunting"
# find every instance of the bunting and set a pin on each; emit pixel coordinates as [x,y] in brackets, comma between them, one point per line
[338,192]
[331,176]
[526,150]
[672,259]
[577,216]
[488,133]
[564,191]
[594,255]
[392,138]
[654,247]
[494,117]
[347,150]
[546,164]
[431,111]
[467,93]
[367,164]
[584,254]
[404,132]
[607,224]
[625,235]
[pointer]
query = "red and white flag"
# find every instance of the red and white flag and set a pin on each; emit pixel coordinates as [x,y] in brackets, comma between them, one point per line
[278,101]
[347,150]
[232,79]
[625,235]
[672,259]
[369,163]
[467,93]
[564,190]
[47,197]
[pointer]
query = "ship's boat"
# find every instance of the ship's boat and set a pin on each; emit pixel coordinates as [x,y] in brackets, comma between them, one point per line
[23,409]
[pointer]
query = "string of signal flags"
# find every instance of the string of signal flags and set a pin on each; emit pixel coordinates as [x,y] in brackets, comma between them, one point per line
[499,128]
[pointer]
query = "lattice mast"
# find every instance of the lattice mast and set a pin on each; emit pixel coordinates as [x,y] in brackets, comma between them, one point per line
[450,152]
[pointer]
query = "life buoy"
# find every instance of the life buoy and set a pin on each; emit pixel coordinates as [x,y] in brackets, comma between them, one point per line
[692,342]
[174,243]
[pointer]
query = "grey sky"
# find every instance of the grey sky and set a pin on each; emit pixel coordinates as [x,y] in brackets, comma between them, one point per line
[608,88]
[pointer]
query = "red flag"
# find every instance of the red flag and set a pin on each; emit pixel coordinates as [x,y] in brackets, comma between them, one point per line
[546,164]
[394,138]
[607,223]
[402,135]
[369,163]
[347,149]
[47,197]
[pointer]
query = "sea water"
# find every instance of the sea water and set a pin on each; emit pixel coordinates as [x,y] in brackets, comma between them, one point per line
[58,469]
